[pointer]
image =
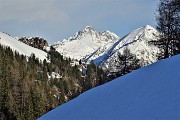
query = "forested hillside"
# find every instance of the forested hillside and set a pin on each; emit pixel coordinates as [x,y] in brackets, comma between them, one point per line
[28,88]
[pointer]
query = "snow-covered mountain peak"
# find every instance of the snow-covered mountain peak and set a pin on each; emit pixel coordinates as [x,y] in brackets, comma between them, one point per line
[148,27]
[88,29]
[136,41]
[142,32]
[150,31]
[84,42]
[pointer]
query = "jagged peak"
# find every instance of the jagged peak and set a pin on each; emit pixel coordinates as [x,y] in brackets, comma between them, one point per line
[88,28]
[89,33]
[31,37]
[148,27]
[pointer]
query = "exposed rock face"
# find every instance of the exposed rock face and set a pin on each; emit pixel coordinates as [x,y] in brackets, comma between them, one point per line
[36,42]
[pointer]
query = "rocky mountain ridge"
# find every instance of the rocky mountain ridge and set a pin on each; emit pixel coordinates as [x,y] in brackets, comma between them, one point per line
[36,42]
[84,42]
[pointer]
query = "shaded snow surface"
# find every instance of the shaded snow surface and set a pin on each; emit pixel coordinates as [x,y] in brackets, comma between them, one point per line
[150,93]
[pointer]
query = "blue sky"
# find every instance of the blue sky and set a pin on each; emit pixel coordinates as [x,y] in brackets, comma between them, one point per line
[55,20]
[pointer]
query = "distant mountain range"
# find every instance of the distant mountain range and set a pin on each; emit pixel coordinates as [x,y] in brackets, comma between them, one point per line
[101,48]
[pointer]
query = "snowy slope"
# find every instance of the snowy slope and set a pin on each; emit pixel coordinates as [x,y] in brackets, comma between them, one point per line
[20,47]
[138,43]
[150,93]
[101,51]
[84,42]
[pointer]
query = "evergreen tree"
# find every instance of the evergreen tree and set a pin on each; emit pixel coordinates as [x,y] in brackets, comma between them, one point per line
[168,23]
[127,62]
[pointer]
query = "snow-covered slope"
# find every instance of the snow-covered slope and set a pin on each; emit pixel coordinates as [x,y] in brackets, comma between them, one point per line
[84,42]
[20,47]
[101,51]
[150,93]
[137,42]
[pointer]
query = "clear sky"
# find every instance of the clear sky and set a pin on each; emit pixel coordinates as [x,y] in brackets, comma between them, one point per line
[55,20]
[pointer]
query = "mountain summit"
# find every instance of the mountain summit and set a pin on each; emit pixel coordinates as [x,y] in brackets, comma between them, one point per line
[137,41]
[84,42]
[88,29]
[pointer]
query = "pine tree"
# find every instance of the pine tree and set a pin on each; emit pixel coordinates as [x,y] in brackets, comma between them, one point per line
[168,23]
[127,62]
